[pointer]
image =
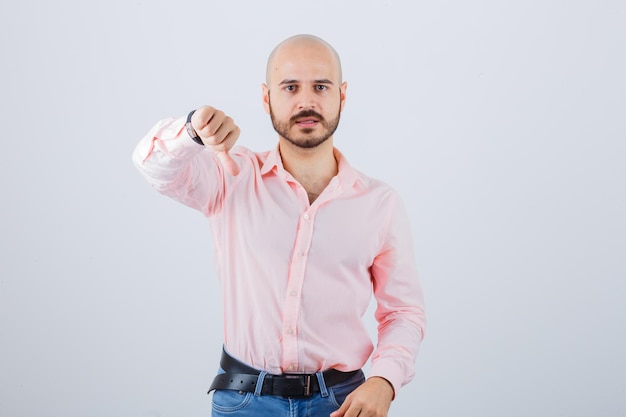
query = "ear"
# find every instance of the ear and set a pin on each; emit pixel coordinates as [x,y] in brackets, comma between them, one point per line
[342,94]
[266,98]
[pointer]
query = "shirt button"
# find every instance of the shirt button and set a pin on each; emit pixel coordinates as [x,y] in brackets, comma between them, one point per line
[289,331]
[293,293]
[306,217]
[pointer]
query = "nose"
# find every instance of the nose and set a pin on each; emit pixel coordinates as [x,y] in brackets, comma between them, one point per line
[306,100]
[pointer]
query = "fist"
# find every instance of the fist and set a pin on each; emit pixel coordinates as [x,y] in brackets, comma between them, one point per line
[218,133]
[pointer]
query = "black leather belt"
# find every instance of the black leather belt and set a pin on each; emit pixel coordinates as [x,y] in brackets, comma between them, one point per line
[241,377]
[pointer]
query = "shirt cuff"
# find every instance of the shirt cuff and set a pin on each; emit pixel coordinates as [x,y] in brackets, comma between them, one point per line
[170,137]
[389,370]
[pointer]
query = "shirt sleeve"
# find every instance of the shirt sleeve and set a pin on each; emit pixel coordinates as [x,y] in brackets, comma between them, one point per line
[400,302]
[178,167]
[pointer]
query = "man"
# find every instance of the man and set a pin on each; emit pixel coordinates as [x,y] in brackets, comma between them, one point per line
[302,242]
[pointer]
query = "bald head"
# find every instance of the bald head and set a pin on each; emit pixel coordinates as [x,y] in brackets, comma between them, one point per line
[290,48]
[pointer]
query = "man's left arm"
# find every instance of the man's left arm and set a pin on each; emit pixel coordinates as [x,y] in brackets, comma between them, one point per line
[400,316]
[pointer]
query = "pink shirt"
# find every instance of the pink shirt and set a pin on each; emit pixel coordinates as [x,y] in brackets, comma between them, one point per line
[296,277]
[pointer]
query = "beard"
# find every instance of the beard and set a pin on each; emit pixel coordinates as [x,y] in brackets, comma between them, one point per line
[304,139]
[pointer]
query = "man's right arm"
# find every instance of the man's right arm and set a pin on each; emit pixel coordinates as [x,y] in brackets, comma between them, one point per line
[180,168]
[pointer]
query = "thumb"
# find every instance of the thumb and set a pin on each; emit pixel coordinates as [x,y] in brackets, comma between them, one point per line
[228,163]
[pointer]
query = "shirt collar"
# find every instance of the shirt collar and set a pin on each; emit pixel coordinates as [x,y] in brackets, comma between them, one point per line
[272,160]
[347,175]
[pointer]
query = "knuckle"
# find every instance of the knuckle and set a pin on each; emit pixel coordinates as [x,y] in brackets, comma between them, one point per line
[204,112]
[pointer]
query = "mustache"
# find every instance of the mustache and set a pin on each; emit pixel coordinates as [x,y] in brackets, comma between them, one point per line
[307,113]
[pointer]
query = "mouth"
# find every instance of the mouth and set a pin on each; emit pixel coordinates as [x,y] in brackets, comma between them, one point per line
[307,119]
[306,122]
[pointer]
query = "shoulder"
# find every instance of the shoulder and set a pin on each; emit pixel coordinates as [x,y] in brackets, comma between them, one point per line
[375,185]
[362,183]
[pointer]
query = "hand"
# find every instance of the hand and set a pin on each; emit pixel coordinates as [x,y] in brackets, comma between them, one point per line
[218,133]
[371,399]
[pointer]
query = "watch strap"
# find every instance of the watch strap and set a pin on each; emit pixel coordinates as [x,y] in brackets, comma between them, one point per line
[191,131]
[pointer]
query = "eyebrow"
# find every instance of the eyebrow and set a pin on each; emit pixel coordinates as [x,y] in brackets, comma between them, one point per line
[322,81]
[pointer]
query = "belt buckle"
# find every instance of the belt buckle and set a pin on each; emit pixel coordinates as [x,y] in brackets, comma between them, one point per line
[307,385]
[303,387]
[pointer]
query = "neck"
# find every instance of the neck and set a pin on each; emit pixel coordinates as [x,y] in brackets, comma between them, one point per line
[312,168]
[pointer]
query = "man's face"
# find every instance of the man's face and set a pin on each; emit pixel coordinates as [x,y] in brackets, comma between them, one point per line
[304,95]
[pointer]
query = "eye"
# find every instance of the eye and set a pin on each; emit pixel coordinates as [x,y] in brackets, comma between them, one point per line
[321,87]
[290,88]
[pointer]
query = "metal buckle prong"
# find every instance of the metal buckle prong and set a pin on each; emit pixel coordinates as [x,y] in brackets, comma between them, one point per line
[307,385]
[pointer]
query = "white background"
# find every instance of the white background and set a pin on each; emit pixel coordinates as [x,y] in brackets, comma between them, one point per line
[502,124]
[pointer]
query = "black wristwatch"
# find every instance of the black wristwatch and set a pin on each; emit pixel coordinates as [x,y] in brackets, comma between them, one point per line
[190,130]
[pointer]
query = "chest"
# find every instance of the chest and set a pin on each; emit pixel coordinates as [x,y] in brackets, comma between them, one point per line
[275,222]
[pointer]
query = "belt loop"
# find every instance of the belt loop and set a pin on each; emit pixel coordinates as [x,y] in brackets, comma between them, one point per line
[322,384]
[259,383]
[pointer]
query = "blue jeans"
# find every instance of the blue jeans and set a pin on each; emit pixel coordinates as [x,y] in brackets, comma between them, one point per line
[227,403]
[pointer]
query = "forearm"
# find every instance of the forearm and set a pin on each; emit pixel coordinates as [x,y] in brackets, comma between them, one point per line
[399,341]
[177,166]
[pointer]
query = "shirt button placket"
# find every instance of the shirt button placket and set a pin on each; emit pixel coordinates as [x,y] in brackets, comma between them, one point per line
[292,301]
